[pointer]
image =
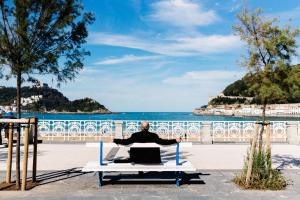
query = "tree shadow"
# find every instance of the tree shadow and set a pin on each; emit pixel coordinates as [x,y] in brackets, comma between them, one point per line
[4,156]
[55,176]
[284,161]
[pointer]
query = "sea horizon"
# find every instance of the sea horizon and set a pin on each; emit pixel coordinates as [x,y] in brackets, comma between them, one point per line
[150,116]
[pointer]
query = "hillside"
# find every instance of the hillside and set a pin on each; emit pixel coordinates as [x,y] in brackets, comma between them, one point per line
[239,92]
[49,100]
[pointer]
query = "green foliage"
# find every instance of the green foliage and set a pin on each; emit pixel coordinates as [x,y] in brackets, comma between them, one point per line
[7,95]
[238,88]
[270,49]
[263,176]
[43,37]
[82,105]
[226,100]
[203,106]
[291,84]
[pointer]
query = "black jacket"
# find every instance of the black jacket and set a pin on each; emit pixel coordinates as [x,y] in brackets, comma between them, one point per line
[144,155]
[144,137]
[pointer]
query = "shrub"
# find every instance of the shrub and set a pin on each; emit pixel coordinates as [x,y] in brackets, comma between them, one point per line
[263,177]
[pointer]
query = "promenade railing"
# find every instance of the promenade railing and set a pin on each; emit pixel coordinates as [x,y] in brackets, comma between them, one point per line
[216,131]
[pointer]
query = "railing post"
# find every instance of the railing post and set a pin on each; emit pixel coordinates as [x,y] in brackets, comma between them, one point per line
[118,129]
[206,135]
[293,134]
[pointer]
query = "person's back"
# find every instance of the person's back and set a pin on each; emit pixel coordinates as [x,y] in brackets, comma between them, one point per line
[144,136]
[145,155]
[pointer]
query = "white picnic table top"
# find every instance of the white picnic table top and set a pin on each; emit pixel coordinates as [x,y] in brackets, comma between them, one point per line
[111,145]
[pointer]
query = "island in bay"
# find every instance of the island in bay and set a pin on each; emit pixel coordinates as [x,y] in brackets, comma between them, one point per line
[45,99]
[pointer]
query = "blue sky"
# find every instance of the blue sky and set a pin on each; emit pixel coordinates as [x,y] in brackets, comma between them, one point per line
[164,55]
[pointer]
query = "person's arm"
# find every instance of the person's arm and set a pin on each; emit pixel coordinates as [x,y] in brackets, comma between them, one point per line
[161,141]
[127,141]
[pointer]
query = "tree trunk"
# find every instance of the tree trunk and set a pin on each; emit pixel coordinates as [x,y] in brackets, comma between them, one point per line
[251,155]
[268,151]
[0,134]
[260,144]
[9,153]
[19,79]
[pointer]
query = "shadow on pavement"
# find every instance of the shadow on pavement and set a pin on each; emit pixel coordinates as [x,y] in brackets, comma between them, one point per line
[285,161]
[3,154]
[153,178]
[55,176]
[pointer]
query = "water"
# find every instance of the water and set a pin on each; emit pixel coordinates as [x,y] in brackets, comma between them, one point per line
[167,116]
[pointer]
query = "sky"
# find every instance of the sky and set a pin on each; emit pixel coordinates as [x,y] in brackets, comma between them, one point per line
[164,55]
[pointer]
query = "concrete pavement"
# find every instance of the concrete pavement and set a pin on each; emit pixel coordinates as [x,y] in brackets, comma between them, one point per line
[217,156]
[210,184]
[61,178]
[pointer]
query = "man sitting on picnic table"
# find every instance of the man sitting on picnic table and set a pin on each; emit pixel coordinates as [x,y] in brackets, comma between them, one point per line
[144,155]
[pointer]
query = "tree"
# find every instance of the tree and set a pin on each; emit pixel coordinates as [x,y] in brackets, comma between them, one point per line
[270,49]
[294,84]
[40,37]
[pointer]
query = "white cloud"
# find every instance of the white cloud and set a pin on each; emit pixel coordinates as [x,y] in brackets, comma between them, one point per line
[118,91]
[172,45]
[204,77]
[182,13]
[125,59]
[208,44]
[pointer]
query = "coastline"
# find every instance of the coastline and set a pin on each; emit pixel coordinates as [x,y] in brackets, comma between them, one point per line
[288,110]
[79,113]
[196,113]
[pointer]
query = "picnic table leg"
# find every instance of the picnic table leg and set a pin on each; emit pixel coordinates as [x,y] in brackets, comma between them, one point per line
[101,153]
[178,178]
[100,179]
[177,154]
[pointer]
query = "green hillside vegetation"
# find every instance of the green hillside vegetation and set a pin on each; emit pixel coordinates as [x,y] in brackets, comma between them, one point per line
[242,88]
[226,100]
[52,100]
[238,88]
[82,105]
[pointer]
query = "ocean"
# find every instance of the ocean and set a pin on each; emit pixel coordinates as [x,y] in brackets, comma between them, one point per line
[151,116]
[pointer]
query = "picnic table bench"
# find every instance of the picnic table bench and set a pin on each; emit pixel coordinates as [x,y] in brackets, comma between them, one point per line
[178,166]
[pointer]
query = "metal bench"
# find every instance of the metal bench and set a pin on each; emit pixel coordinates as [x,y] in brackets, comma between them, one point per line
[178,166]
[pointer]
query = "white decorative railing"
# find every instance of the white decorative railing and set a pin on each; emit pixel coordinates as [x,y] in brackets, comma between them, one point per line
[220,131]
[168,129]
[70,129]
[242,131]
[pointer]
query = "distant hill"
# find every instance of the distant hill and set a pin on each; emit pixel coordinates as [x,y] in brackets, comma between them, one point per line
[51,100]
[240,88]
[83,105]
